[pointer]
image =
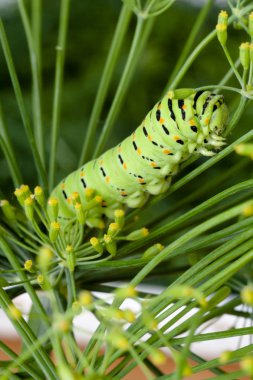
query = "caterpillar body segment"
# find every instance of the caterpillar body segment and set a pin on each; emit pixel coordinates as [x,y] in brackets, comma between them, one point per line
[183,123]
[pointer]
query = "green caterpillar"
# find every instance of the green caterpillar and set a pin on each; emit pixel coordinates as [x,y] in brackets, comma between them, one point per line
[183,123]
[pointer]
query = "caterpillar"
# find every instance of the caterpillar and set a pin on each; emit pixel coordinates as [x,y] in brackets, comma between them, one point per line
[183,123]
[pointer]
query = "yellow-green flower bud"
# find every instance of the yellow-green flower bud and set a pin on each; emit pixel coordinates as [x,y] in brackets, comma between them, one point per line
[96,244]
[247,365]
[95,202]
[110,244]
[22,193]
[149,321]
[222,34]
[8,210]
[25,190]
[14,312]
[39,196]
[223,18]
[129,315]
[89,193]
[85,298]
[248,209]
[244,53]
[245,150]
[225,357]
[54,231]
[80,214]
[157,357]
[75,198]
[52,208]
[29,207]
[153,250]
[247,295]
[118,340]
[138,234]
[43,282]
[29,266]
[71,258]
[44,258]
[119,216]
[187,370]
[126,292]
[251,24]
[113,229]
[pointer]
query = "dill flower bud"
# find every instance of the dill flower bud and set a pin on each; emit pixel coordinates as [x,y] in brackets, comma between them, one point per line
[126,292]
[244,53]
[118,340]
[75,198]
[248,209]
[44,258]
[129,315]
[138,234]
[153,250]
[223,18]
[96,244]
[247,295]
[8,210]
[110,244]
[157,357]
[29,207]
[149,321]
[225,357]
[89,193]
[14,312]
[222,35]
[53,208]
[113,229]
[245,149]
[80,214]
[43,282]
[85,298]
[247,365]
[119,216]
[54,231]
[22,193]
[39,195]
[29,266]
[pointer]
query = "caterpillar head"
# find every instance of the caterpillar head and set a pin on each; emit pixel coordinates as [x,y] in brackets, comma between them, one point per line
[213,111]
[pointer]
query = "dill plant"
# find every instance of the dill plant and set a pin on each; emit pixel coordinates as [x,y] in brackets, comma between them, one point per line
[195,240]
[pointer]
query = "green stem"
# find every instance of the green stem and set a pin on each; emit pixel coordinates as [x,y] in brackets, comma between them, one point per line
[28,338]
[59,69]
[12,258]
[232,65]
[9,152]
[36,74]
[141,34]
[19,97]
[14,357]
[216,220]
[105,81]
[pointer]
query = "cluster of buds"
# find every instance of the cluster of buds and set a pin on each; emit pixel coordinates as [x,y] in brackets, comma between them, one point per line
[109,240]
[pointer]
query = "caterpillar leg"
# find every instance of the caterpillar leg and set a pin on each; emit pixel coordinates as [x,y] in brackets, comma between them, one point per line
[137,199]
